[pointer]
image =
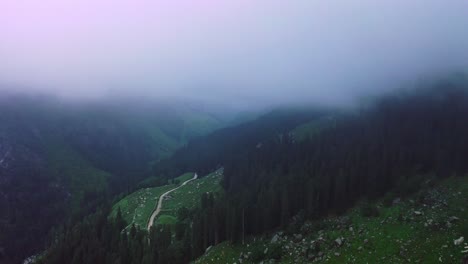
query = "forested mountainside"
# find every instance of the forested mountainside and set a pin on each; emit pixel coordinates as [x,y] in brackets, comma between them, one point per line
[205,154]
[396,143]
[64,159]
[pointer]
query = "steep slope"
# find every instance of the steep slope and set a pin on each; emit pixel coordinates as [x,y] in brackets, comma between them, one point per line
[63,159]
[306,187]
[421,228]
[398,142]
[136,208]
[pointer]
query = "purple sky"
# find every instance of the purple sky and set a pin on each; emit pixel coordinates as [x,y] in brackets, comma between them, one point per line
[245,50]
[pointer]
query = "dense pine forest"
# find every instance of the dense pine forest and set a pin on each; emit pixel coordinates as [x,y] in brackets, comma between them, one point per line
[394,143]
[205,153]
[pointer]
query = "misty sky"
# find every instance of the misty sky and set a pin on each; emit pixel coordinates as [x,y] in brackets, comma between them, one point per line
[255,51]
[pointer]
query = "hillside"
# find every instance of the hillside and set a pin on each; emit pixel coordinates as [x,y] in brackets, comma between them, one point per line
[189,196]
[137,207]
[364,186]
[62,160]
[205,154]
[421,228]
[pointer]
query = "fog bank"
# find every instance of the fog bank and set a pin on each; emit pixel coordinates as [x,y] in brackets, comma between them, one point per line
[235,52]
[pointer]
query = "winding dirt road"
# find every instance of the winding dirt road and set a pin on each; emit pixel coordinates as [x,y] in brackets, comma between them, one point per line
[161,199]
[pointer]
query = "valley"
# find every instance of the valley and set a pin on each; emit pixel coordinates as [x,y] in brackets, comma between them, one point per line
[234,132]
[61,161]
[386,184]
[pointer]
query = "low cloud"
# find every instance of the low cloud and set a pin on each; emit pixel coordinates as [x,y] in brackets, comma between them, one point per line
[238,52]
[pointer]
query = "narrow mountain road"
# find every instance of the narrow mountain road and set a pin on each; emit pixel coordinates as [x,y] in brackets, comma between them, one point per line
[161,199]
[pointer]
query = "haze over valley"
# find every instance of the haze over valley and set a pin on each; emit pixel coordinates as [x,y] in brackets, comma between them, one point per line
[233,131]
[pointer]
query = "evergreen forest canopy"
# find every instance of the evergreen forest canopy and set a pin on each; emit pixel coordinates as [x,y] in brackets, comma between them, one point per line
[393,144]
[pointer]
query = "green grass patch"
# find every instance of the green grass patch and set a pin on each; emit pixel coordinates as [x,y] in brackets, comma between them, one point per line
[138,206]
[166,220]
[225,252]
[189,195]
[184,177]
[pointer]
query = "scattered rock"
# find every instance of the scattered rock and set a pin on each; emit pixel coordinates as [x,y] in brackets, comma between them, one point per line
[298,237]
[396,201]
[459,241]
[208,249]
[274,239]
[339,241]
[418,213]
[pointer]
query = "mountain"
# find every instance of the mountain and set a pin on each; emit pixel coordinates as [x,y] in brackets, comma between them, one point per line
[299,174]
[205,154]
[60,159]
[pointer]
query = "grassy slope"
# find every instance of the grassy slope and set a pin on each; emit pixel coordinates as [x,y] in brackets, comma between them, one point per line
[138,206]
[70,167]
[184,177]
[81,177]
[189,195]
[397,235]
